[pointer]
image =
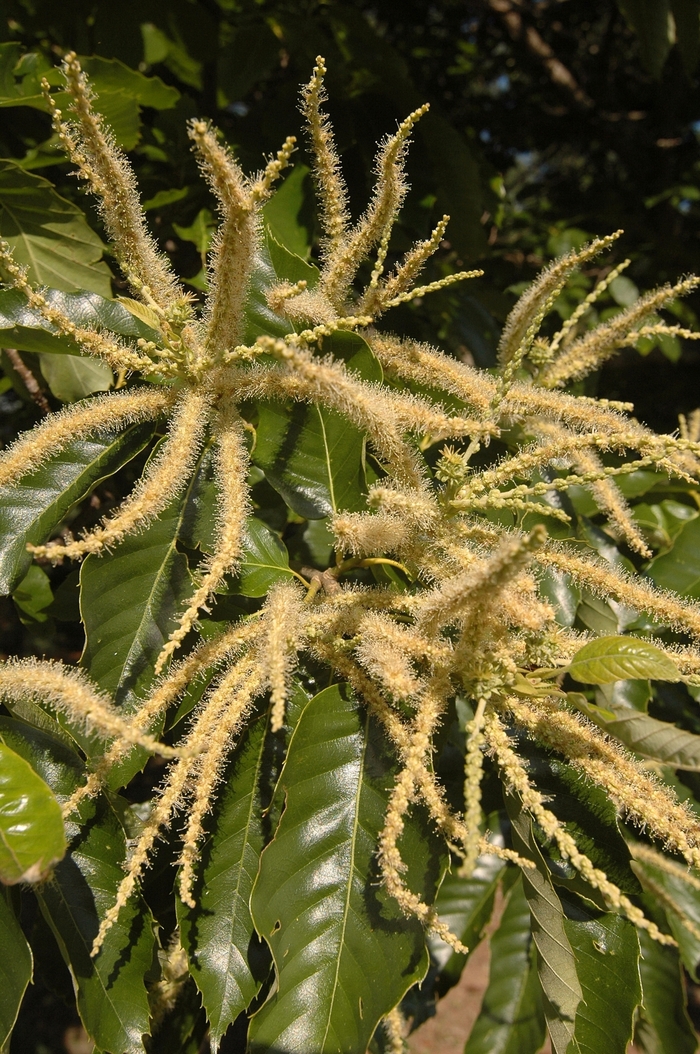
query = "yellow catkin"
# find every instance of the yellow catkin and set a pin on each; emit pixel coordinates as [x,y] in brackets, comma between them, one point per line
[544,290]
[68,690]
[231,460]
[515,775]
[648,803]
[279,645]
[473,772]
[235,243]
[208,655]
[105,167]
[179,785]
[239,695]
[165,476]
[395,1028]
[100,415]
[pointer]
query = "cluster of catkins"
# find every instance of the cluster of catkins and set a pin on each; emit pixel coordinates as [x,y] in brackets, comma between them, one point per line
[472,619]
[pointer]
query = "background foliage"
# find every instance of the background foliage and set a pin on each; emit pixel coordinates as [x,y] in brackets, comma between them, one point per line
[550,122]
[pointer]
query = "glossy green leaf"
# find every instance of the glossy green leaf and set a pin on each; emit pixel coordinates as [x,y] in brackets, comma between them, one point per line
[511,1019]
[265,561]
[289,265]
[561,988]
[260,319]
[219,936]
[678,890]
[72,377]
[606,951]
[15,966]
[282,213]
[620,658]
[25,329]
[634,694]
[30,510]
[121,91]
[49,234]
[34,595]
[662,523]
[111,994]
[658,740]
[588,815]
[562,593]
[313,457]
[679,569]
[355,353]
[465,905]
[130,601]
[344,954]
[664,1026]
[32,839]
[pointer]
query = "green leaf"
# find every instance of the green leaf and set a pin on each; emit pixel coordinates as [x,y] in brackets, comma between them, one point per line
[679,570]
[465,905]
[200,232]
[15,966]
[344,954]
[49,234]
[219,935]
[511,1019]
[356,353]
[658,740]
[260,319]
[30,510]
[130,600]
[650,21]
[121,91]
[72,377]
[111,994]
[33,595]
[283,213]
[561,988]
[265,561]
[606,950]
[664,1026]
[313,457]
[288,265]
[678,891]
[32,838]
[26,330]
[621,658]
[686,15]
[662,523]
[562,593]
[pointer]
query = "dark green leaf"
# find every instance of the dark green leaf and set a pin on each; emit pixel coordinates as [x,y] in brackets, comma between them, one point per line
[679,570]
[678,891]
[356,353]
[33,595]
[72,377]
[15,966]
[219,935]
[561,988]
[282,213]
[313,457]
[30,510]
[465,905]
[658,740]
[511,1019]
[664,1026]
[260,319]
[49,234]
[620,658]
[650,21]
[344,955]
[121,92]
[562,593]
[606,950]
[32,838]
[111,995]
[289,266]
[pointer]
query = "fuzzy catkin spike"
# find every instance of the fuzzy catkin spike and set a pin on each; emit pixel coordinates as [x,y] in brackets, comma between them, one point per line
[332,191]
[165,477]
[515,775]
[70,692]
[235,243]
[231,473]
[105,167]
[101,414]
[543,290]
[284,615]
